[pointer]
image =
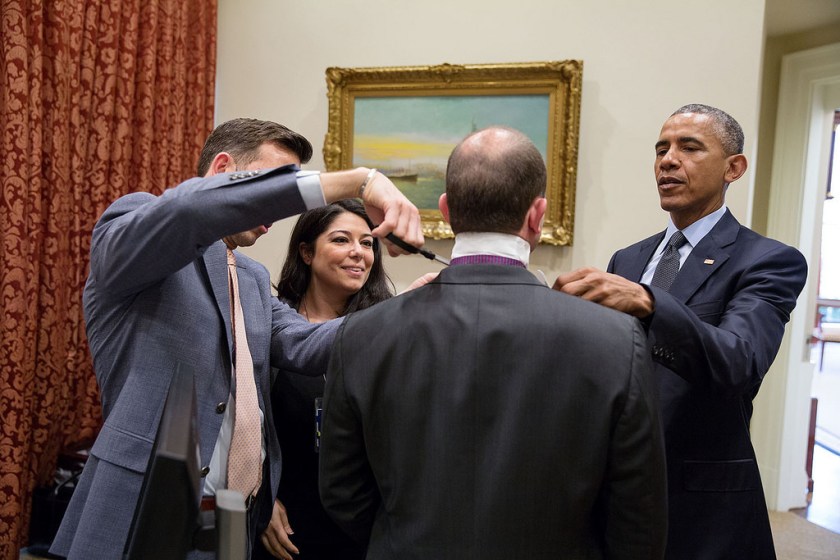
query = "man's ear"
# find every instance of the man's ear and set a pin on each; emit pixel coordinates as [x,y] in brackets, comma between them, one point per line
[443,205]
[736,166]
[222,163]
[536,214]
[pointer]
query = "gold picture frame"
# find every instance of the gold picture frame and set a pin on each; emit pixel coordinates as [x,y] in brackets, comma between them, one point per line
[417,111]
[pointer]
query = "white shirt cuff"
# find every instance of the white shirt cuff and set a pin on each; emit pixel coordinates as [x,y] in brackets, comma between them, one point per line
[309,185]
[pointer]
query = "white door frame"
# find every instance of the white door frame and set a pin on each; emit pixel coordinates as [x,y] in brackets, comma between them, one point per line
[809,92]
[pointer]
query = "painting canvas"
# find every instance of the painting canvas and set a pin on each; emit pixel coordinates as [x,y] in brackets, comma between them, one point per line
[405,121]
[410,138]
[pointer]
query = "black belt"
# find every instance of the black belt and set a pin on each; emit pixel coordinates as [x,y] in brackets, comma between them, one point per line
[208,503]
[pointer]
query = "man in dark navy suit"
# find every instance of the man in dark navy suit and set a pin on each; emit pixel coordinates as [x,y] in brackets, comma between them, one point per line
[715,296]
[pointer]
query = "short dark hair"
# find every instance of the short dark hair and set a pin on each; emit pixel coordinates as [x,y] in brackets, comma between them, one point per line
[242,139]
[491,181]
[726,128]
[296,274]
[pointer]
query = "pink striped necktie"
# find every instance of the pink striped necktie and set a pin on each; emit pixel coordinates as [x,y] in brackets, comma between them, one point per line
[244,471]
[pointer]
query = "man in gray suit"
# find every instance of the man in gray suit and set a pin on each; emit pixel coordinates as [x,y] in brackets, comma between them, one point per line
[495,419]
[158,295]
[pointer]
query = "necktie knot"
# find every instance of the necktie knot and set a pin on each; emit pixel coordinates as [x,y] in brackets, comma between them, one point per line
[231,258]
[677,240]
[669,265]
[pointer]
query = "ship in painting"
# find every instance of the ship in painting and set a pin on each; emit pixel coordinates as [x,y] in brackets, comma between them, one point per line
[401,174]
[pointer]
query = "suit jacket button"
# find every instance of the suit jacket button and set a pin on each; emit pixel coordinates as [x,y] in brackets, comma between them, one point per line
[221,407]
[204,471]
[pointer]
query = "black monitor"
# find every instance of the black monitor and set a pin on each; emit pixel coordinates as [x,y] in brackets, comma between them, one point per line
[167,513]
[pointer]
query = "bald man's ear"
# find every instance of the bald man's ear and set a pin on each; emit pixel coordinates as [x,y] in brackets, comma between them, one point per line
[222,163]
[443,205]
[536,214]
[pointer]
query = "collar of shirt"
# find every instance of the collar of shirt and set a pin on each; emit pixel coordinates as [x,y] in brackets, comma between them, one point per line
[486,243]
[693,233]
[696,231]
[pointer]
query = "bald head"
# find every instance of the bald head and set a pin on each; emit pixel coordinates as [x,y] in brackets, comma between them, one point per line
[492,178]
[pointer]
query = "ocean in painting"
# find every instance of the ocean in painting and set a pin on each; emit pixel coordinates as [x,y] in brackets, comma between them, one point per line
[424,192]
[409,138]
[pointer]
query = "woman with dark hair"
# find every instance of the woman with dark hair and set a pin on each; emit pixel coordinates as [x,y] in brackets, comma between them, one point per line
[296,286]
[333,267]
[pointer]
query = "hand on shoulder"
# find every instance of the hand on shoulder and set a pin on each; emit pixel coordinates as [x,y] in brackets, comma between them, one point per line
[609,290]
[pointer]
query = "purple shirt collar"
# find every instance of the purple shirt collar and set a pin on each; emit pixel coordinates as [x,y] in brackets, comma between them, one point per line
[486,259]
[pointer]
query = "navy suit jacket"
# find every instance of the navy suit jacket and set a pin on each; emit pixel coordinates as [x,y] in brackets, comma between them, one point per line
[157,295]
[713,336]
[493,418]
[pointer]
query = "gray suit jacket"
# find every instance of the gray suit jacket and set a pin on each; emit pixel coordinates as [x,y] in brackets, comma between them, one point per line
[493,418]
[157,295]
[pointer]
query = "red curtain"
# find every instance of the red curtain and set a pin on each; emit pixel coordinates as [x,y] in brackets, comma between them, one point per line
[98,98]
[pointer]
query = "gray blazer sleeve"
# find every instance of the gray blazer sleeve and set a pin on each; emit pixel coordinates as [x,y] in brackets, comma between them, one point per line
[298,345]
[142,238]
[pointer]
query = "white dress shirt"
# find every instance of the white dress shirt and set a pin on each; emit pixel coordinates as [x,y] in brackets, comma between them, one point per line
[693,234]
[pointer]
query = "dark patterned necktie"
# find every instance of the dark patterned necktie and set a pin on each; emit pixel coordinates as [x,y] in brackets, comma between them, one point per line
[669,264]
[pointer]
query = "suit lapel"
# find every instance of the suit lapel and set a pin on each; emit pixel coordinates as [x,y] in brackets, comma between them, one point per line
[706,258]
[646,249]
[215,261]
[249,296]
[633,264]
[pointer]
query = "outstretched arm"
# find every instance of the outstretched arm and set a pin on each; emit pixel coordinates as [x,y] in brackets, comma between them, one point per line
[610,290]
[143,238]
[726,345]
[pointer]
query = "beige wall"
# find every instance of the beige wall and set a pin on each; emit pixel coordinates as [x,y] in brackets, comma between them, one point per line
[775,49]
[642,60]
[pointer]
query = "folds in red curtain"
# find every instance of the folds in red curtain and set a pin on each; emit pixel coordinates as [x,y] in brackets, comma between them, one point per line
[97,99]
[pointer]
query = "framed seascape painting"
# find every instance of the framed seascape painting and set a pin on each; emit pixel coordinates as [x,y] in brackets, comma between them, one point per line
[406,120]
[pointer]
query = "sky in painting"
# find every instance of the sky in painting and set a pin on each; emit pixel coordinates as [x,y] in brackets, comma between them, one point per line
[420,131]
